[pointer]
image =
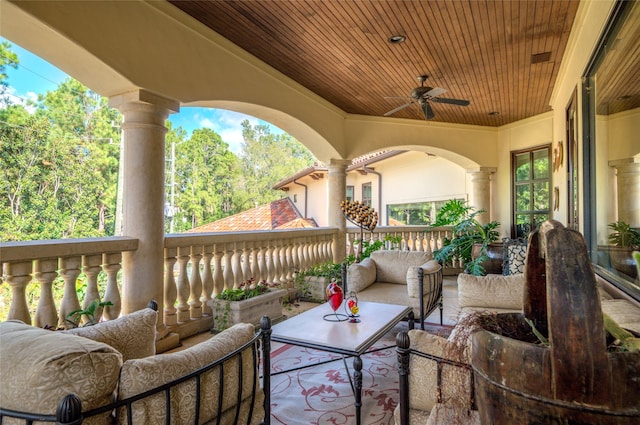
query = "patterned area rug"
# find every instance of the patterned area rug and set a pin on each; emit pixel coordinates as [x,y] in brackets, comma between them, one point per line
[321,394]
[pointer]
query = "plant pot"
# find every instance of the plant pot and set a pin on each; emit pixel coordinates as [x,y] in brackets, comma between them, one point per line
[622,260]
[572,380]
[228,313]
[314,288]
[495,252]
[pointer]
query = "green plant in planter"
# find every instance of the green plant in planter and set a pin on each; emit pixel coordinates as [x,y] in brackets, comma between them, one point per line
[624,235]
[330,270]
[452,212]
[246,290]
[467,233]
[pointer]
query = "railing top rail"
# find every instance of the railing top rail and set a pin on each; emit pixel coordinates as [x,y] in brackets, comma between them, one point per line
[187,239]
[56,248]
[399,229]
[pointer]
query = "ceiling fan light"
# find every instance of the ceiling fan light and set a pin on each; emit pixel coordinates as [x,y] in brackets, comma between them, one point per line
[397,39]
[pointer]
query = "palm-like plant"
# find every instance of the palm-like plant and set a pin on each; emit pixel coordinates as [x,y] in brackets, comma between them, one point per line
[467,233]
[624,235]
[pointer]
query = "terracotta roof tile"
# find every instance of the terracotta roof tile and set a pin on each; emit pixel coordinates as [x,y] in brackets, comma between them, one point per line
[278,214]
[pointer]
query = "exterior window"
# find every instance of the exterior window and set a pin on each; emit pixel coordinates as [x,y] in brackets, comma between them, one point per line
[366,194]
[349,195]
[531,178]
[415,213]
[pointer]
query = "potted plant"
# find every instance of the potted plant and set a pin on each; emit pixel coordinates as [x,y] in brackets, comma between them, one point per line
[624,240]
[468,233]
[247,304]
[311,284]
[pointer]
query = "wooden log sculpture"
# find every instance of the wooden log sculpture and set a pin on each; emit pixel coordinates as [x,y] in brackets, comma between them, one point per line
[573,380]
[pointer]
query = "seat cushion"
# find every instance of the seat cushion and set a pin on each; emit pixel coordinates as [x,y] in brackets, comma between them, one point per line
[133,335]
[392,266]
[39,367]
[140,375]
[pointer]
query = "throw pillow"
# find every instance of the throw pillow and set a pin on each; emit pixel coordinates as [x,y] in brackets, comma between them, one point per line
[413,289]
[515,252]
[133,335]
[361,275]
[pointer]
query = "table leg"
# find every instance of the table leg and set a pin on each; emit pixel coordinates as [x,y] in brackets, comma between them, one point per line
[357,390]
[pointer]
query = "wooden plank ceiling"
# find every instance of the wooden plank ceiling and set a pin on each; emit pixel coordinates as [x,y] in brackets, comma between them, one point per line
[502,56]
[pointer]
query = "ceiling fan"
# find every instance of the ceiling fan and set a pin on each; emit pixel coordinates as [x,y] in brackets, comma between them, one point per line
[423,95]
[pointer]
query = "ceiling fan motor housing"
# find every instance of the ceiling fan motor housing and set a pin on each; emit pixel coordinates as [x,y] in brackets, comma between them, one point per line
[419,92]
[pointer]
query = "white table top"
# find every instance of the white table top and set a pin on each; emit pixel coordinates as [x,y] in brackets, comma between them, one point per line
[309,329]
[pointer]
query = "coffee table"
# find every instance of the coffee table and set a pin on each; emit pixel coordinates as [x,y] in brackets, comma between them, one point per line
[309,329]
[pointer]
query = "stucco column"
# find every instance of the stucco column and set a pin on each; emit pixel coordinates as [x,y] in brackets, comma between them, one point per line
[337,193]
[480,197]
[143,159]
[628,188]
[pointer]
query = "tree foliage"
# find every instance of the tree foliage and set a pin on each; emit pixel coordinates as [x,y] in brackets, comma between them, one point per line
[60,167]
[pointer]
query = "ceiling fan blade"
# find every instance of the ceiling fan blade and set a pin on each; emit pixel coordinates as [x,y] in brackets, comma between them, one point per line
[393,111]
[434,92]
[428,112]
[459,102]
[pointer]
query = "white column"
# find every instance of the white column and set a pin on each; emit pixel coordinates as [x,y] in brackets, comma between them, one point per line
[337,193]
[480,196]
[143,159]
[628,188]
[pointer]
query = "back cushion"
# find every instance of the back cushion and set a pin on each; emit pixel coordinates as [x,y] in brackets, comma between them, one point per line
[140,375]
[491,291]
[133,335]
[392,266]
[39,367]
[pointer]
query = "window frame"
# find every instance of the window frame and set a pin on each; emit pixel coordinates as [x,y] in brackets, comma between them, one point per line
[515,183]
[367,202]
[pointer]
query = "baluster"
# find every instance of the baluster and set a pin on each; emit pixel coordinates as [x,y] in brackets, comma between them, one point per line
[195,283]
[284,260]
[69,270]
[277,267]
[218,280]
[207,279]
[18,277]
[112,263]
[183,284]
[91,266]
[255,266]
[227,272]
[351,242]
[45,273]
[315,251]
[262,263]
[427,243]
[170,288]
[268,253]
[246,261]
[238,277]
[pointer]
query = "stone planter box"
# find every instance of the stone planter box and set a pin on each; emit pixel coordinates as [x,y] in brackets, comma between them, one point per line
[228,313]
[314,288]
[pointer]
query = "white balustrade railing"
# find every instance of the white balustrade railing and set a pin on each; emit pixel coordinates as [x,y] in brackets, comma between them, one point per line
[45,262]
[198,266]
[412,238]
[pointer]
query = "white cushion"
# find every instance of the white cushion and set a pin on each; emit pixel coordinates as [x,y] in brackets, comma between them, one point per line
[361,275]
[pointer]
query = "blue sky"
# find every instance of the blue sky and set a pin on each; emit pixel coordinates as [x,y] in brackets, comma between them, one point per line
[35,76]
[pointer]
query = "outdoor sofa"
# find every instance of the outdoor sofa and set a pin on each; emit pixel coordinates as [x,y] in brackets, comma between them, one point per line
[109,374]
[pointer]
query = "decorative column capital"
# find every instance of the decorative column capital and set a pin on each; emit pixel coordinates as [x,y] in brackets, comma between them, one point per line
[338,165]
[142,96]
[481,172]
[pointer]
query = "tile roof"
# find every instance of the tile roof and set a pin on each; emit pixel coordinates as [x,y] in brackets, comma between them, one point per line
[278,214]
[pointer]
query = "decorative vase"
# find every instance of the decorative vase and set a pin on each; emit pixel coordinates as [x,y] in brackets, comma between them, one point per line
[335,296]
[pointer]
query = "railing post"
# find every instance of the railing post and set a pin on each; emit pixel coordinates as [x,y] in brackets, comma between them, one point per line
[111,264]
[45,272]
[195,283]
[18,276]
[170,289]
[91,266]
[69,270]
[207,279]
[402,348]
[183,285]
[265,326]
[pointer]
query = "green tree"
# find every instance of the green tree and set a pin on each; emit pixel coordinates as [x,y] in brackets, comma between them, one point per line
[268,158]
[7,58]
[206,178]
